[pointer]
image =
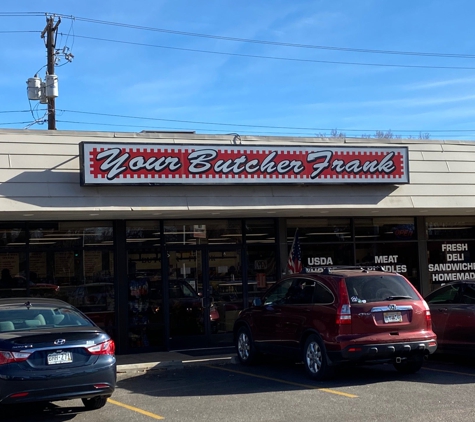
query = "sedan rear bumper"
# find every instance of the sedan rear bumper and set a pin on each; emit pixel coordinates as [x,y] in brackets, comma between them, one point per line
[63,386]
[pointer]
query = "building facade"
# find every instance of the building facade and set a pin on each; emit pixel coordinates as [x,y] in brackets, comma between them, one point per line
[162,238]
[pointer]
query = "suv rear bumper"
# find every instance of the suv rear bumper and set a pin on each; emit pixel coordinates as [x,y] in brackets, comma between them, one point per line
[386,351]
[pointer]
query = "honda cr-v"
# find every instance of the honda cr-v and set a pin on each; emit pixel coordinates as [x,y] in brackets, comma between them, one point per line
[338,316]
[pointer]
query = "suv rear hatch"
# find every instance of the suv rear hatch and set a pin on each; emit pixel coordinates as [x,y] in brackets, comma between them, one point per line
[386,308]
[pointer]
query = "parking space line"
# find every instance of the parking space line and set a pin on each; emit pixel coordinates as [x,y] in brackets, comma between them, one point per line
[325,390]
[135,409]
[450,372]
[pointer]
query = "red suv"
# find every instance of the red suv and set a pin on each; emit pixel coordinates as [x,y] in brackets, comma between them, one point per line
[338,316]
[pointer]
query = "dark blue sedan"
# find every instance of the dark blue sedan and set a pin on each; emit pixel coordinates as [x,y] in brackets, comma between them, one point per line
[50,351]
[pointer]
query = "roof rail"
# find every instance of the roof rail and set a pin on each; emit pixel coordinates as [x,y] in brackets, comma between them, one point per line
[328,270]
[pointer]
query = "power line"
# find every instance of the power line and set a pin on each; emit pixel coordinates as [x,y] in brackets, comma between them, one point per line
[21,14]
[274,57]
[275,43]
[282,44]
[256,126]
[249,40]
[20,32]
[122,116]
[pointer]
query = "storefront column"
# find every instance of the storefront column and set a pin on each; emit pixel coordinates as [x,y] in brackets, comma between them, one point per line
[422,252]
[283,248]
[121,287]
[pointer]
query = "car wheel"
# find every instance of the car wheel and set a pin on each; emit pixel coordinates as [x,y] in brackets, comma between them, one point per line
[95,402]
[315,358]
[410,365]
[246,351]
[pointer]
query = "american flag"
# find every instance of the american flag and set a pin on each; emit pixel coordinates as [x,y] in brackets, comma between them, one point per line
[294,264]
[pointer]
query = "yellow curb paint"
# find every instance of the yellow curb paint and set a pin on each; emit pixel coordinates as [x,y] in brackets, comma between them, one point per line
[135,409]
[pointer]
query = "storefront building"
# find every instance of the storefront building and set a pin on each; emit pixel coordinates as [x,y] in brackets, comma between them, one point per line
[162,238]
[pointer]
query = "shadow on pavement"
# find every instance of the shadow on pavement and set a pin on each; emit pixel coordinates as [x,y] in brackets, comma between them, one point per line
[33,412]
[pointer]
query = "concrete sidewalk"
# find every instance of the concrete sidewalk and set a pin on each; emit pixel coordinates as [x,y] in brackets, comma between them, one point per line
[173,359]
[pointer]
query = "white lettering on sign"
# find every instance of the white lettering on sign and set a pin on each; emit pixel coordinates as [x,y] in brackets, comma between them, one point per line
[441,278]
[385,259]
[113,163]
[459,266]
[135,163]
[320,260]
[455,257]
[395,268]
[455,267]
[454,247]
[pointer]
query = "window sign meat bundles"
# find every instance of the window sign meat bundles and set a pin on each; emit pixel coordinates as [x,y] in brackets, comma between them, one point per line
[106,163]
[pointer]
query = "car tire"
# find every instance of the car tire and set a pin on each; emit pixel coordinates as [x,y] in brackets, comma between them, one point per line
[411,365]
[94,402]
[315,358]
[246,351]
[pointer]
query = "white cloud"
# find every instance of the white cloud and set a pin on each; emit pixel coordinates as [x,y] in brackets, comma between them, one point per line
[439,83]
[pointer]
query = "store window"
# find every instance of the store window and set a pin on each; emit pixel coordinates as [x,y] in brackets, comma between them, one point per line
[323,241]
[12,236]
[400,257]
[70,235]
[439,228]
[262,256]
[75,260]
[261,269]
[390,243]
[13,282]
[143,234]
[385,229]
[203,232]
[450,249]
[319,230]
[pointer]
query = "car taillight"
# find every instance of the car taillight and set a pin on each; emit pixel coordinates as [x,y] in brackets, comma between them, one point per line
[11,357]
[106,348]
[428,320]
[428,316]
[343,315]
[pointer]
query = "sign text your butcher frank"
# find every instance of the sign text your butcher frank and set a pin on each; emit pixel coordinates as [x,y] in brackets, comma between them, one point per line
[130,163]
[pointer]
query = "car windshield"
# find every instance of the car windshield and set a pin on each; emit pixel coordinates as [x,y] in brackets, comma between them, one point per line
[37,318]
[182,289]
[364,289]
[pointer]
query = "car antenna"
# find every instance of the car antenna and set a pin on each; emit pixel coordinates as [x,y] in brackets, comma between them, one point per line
[28,304]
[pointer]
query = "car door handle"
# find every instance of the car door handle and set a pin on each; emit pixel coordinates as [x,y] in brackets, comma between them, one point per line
[443,310]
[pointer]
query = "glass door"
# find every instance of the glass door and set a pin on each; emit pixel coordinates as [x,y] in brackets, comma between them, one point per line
[188,299]
[205,281]
[205,296]
[227,292]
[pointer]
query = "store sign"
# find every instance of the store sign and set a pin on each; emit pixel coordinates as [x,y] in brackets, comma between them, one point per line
[156,164]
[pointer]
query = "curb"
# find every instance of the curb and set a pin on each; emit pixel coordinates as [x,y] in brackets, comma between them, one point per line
[175,364]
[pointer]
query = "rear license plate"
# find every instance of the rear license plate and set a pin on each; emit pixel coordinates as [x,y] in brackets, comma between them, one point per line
[60,357]
[392,317]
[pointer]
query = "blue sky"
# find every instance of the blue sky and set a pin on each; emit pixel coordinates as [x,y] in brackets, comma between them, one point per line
[134,68]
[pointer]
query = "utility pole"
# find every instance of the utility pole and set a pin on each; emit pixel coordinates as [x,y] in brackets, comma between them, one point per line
[51,32]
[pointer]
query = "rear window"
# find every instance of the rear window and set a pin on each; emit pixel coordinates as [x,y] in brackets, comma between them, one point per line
[37,318]
[364,289]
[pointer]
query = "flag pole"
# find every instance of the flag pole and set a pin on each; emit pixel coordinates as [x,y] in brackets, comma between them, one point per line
[291,251]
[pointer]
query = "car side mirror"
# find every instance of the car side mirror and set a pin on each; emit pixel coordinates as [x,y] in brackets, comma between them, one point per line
[257,301]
